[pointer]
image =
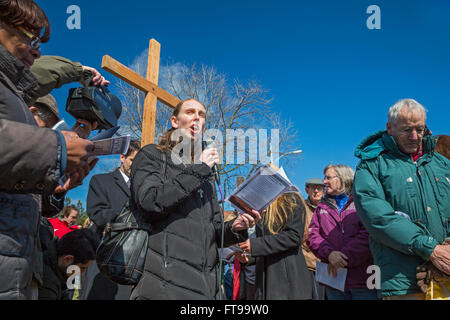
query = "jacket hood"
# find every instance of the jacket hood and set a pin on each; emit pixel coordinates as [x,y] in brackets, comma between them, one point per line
[378,142]
[371,146]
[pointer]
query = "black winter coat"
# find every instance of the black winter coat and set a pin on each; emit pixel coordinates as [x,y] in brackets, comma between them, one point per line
[181,206]
[281,271]
[107,195]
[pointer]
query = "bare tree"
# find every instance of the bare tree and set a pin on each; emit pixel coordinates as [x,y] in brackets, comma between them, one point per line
[230,105]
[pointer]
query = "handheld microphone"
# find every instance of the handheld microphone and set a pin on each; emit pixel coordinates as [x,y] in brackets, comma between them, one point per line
[214,167]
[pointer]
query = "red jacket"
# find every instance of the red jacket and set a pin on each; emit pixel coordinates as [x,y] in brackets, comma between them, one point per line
[61,227]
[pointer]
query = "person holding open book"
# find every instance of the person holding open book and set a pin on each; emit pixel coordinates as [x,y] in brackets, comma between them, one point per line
[281,271]
[178,199]
[337,236]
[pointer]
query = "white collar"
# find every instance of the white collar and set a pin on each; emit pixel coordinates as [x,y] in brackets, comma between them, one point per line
[124,176]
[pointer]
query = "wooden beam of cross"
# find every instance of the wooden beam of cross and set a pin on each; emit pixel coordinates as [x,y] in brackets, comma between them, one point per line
[149,85]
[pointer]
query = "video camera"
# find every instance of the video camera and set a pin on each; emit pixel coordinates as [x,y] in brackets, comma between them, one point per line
[94,104]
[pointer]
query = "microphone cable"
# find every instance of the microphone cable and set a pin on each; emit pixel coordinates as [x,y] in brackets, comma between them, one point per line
[222,216]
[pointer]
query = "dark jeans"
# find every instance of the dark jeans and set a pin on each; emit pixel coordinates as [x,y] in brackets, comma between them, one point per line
[352,294]
[228,281]
[249,291]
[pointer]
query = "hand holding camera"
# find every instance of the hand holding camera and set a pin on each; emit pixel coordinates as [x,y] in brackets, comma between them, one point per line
[93,102]
[97,80]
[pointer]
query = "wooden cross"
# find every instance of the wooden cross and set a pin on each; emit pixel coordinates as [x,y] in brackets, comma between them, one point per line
[149,85]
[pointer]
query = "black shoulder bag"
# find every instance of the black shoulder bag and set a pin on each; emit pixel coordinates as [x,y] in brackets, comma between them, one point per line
[122,251]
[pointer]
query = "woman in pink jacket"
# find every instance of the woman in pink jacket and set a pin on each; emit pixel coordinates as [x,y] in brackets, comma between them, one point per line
[337,236]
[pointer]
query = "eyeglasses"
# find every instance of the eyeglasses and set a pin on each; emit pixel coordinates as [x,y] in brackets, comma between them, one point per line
[35,41]
[407,131]
[329,178]
[315,186]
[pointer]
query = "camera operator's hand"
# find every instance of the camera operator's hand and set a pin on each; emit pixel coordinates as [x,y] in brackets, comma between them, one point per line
[77,151]
[83,128]
[98,80]
[210,157]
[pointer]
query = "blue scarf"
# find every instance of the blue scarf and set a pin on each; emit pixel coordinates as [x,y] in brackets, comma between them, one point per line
[341,200]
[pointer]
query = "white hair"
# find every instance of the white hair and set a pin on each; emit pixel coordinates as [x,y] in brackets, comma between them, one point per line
[409,104]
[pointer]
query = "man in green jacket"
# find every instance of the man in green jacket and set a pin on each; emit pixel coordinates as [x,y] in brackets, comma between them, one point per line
[402,192]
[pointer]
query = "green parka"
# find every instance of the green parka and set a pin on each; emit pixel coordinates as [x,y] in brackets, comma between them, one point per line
[52,72]
[404,205]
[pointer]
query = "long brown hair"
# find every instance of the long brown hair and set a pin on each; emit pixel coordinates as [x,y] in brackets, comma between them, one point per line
[165,142]
[27,14]
[281,211]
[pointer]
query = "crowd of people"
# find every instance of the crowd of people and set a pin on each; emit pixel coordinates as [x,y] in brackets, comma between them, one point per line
[391,212]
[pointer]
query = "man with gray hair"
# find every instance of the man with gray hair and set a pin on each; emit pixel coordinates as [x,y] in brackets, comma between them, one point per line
[402,191]
[314,188]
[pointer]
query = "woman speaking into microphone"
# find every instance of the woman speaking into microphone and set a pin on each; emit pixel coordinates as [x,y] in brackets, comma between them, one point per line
[178,199]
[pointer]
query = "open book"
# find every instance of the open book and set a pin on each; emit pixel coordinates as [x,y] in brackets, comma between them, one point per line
[261,189]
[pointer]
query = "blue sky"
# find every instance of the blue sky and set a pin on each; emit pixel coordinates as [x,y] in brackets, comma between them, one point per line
[327,72]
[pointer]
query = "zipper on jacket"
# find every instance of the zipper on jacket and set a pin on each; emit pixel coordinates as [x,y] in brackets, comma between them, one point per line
[203,216]
[340,214]
[166,249]
[424,205]
[419,180]
[205,231]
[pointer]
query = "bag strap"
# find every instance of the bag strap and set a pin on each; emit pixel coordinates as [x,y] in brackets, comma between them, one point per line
[121,226]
